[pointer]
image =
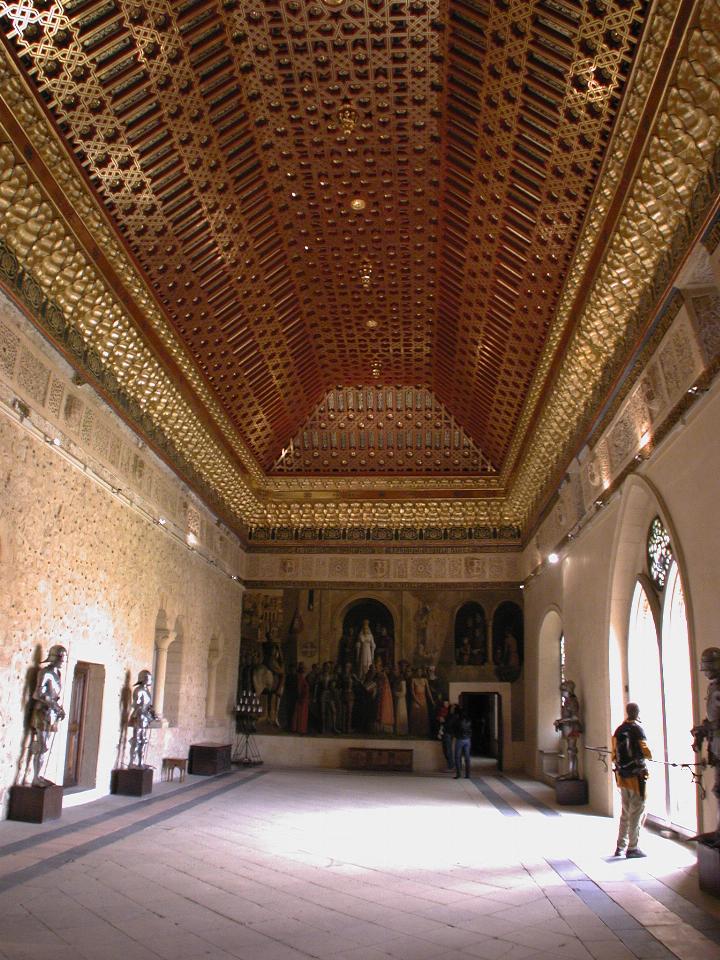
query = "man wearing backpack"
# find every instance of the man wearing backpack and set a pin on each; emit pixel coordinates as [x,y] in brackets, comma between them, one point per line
[630,751]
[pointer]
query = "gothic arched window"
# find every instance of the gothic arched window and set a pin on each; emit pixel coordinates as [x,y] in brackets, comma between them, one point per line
[659,553]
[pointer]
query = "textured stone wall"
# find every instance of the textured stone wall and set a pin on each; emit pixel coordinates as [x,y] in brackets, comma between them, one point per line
[85,563]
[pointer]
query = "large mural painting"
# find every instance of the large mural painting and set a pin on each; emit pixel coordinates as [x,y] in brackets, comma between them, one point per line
[333,662]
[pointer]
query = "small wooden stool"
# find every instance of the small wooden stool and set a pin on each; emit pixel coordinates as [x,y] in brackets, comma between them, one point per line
[170,765]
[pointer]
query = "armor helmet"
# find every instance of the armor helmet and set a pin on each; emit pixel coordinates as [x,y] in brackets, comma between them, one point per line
[567,686]
[710,661]
[144,677]
[56,654]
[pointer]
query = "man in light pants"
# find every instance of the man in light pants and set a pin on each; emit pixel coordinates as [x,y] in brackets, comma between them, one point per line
[630,751]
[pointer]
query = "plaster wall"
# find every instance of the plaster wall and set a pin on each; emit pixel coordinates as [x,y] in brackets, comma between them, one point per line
[86,565]
[573,595]
[589,593]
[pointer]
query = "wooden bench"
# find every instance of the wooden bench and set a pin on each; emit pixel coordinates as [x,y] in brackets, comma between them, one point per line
[170,765]
[376,758]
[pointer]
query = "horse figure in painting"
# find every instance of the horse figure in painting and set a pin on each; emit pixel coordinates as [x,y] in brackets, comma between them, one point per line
[268,679]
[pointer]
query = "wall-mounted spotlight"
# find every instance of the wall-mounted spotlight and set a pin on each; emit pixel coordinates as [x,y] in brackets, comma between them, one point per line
[553,558]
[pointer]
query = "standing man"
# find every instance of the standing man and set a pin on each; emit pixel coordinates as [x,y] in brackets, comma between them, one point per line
[462,728]
[630,751]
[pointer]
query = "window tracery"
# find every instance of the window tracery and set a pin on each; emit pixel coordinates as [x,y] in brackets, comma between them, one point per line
[659,553]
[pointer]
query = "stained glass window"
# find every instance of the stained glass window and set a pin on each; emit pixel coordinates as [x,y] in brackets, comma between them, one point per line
[562,658]
[660,554]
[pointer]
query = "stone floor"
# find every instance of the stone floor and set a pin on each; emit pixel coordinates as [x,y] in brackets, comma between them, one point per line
[272,864]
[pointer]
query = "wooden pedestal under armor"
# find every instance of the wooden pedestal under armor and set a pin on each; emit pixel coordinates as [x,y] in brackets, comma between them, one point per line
[132,781]
[35,804]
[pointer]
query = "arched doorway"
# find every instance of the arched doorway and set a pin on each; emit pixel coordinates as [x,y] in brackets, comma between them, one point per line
[659,678]
[380,624]
[550,675]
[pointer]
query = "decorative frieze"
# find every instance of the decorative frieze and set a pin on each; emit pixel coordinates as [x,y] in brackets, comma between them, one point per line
[384,568]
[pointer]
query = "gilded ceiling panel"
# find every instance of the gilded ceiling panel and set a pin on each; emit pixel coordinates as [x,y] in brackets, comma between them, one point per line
[280,197]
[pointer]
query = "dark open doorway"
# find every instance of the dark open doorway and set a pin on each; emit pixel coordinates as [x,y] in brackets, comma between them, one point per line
[485,712]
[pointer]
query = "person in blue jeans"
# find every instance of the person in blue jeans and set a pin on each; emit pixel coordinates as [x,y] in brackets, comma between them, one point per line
[463,736]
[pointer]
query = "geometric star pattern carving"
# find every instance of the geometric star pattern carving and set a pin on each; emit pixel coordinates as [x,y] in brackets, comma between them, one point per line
[318,191]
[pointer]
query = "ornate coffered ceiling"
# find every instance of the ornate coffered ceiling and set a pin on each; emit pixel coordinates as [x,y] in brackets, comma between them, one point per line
[245,209]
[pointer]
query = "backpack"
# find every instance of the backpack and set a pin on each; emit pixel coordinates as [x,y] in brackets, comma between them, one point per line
[627,763]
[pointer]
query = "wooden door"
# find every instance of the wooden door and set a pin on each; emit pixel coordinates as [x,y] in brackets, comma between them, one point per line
[76,725]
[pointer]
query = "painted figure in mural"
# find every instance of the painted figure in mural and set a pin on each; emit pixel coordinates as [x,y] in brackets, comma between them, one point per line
[348,681]
[420,700]
[399,690]
[46,712]
[506,656]
[299,723]
[329,706]
[346,647]
[569,726]
[422,624]
[709,730]
[384,721]
[464,652]
[268,678]
[479,641]
[629,753]
[383,645]
[141,716]
[364,649]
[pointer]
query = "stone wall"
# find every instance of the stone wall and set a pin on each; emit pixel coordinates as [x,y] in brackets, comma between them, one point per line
[85,562]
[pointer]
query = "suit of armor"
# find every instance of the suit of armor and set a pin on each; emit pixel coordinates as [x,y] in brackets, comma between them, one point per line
[46,711]
[141,716]
[570,726]
[709,730]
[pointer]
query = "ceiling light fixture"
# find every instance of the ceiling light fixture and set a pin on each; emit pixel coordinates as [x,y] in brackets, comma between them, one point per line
[553,558]
[365,273]
[347,118]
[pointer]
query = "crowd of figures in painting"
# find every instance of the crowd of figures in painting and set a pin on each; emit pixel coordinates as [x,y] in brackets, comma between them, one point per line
[366,688]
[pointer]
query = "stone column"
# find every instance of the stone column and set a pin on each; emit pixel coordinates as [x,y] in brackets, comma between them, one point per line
[163,639]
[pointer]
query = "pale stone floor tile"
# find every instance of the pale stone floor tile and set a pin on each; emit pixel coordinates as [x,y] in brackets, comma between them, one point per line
[687,943]
[455,937]
[211,953]
[456,915]
[410,923]
[530,913]
[328,864]
[410,948]
[609,950]
[589,928]
[499,950]
[361,953]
